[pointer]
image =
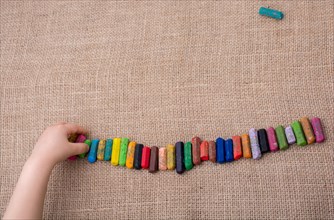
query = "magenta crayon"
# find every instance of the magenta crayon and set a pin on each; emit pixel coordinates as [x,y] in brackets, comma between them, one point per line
[72,138]
[80,139]
[273,145]
[318,131]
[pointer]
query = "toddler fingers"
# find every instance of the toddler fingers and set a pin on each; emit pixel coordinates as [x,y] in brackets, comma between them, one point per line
[78,148]
[74,129]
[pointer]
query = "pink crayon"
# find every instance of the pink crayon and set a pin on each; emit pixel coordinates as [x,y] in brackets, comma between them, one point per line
[80,139]
[273,146]
[317,128]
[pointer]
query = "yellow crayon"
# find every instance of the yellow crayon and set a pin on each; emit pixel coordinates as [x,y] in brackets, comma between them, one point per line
[115,151]
[170,157]
[100,149]
[130,154]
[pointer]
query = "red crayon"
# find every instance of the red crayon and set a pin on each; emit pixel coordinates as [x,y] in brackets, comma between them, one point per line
[237,151]
[204,151]
[145,160]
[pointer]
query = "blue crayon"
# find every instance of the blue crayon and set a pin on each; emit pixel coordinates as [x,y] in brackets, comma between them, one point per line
[220,150]
[93,151]
[271,13]
[108,150]
[229,150]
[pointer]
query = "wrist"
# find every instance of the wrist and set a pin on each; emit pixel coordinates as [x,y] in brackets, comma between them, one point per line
[40,163]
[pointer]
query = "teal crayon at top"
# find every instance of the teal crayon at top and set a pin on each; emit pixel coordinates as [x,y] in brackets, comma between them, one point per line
[271,13]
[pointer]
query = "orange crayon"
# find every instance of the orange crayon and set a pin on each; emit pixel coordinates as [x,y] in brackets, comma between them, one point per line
[246,148]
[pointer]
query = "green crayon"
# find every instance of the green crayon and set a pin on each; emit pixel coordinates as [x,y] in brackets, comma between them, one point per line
[124,150]
[299,133]
[188,162]
[280,134]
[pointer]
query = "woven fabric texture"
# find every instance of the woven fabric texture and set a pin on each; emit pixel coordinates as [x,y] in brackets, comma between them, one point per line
[163,71]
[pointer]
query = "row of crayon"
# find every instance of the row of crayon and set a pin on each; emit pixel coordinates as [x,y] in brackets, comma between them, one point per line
[183,156]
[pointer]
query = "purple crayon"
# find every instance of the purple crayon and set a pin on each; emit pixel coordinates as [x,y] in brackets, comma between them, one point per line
[256,152]
[290,136]
[317,128]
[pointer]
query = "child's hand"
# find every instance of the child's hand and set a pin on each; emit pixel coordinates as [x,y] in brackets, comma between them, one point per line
[53,145]
[51,148]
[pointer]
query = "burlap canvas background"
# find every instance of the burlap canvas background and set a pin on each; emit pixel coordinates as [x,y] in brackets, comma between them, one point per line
[163,71]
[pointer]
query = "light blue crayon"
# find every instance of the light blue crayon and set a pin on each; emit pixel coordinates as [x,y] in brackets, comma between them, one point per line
[93,151]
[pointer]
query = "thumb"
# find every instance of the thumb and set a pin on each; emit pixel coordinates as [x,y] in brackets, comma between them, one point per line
[78,148]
